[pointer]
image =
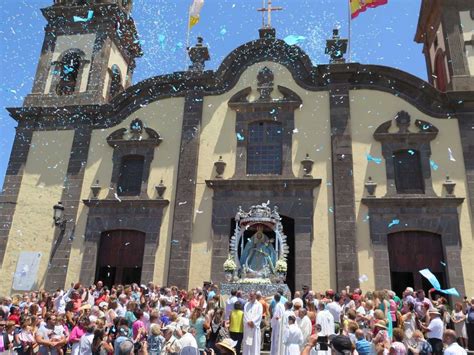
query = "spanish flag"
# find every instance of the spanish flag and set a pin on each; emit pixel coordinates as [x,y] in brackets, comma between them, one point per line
[358,6]
[194,12]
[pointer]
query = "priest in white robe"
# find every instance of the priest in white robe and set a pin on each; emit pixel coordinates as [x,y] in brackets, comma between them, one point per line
[277,326]
[252,317]
[305,325]
[293,337]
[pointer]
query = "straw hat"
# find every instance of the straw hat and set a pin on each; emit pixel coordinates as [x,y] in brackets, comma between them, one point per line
[227,344]
[434,311]
[381,324]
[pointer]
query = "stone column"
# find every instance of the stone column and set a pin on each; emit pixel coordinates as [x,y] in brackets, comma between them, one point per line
[347,265]
[180,250]
[12,183]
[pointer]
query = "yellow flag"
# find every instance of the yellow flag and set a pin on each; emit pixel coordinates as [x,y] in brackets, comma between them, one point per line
[194,12]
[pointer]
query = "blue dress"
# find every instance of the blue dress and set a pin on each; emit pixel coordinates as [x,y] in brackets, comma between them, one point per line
[200,332]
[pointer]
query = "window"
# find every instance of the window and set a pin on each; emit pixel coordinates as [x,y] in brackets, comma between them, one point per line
[68,71]
[440,70]
[408,174]
[264,148]
[130,175]
[116,81]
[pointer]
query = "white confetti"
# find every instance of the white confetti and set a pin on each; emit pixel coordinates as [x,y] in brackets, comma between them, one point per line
[451,156]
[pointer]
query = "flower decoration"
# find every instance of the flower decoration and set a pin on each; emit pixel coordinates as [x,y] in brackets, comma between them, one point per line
[281,266]
[229,264]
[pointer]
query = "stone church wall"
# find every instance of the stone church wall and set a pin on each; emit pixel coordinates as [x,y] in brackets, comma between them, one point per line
[311,135]
[164,116]
[41,188]
[371,108]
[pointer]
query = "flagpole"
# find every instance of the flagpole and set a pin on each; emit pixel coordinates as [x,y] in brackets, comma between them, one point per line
[187,39]
[349,35]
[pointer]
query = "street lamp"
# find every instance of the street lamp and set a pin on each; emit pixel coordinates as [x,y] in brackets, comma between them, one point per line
[58,215]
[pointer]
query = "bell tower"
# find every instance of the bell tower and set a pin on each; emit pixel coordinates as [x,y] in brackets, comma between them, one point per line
[88,54]
[446,30]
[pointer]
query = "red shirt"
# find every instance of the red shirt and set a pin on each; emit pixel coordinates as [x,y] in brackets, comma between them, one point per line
[14,318]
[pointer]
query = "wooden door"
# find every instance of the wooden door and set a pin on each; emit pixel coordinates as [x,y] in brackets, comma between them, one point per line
[120,257]
[410,252]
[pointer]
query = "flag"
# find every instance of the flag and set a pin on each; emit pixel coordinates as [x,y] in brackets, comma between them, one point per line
[194,11]
[358,6]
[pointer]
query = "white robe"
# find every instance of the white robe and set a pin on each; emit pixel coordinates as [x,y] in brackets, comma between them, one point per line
[306,327]
[277,329]
[326,320]
[293,339]
[252,337]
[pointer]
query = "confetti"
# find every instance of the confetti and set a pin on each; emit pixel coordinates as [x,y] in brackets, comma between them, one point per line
[293,39]
[393,223]
[363,278]
[182,203]
[117,198]
[90,15]
[411,152]
[442,263]
[223,31]
[240,137]
[374,159]
[451,156]
[434,165]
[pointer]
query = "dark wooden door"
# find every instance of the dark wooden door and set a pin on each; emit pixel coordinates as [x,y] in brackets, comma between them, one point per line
[120,257]
[410,252]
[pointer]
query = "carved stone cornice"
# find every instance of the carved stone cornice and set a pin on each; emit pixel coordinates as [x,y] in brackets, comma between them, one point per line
[122,203]
[412,201]
[259,183]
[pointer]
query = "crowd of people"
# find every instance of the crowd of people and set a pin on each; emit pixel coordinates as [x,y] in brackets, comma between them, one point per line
[148,319]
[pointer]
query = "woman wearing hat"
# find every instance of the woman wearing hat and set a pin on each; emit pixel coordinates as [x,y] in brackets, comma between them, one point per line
[227,346]
[381,338]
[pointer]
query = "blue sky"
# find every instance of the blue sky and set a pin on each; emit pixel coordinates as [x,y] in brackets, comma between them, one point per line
[379,36]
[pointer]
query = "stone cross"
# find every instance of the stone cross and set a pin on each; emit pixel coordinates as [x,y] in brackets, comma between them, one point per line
[268,9]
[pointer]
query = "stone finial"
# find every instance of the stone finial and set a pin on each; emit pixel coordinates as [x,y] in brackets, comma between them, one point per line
[370,186]
[220,167]
[449,186]
[160,190]
[95,190]
[307,163]
[198,54]
[403,121]
[336,47]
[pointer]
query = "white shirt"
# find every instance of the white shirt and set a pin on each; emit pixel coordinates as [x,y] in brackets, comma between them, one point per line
[188,340]
[229,306]
[454,349]
[436,328]
[85,344]
[335,309]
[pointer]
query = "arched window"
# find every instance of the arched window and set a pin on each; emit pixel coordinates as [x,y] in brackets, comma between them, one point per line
[440,70]
[408,173]
[68,71]
[264,148]
[116,81]
[130,175]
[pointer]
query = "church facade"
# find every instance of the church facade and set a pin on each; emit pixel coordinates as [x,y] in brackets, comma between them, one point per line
[371,168]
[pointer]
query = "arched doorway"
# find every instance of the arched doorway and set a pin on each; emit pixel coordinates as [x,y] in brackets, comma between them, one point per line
[120,257]
[289,230]
[411,251]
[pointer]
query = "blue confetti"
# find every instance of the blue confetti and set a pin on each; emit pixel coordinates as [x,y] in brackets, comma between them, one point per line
[161,39]
[90,15]
[240,137]
[293,39]
[67,69]
[393,223]
[426,126]
[223,31]
[434,165]
[442,263]
[331,209]
[411,152]
[436,284]
[374,159]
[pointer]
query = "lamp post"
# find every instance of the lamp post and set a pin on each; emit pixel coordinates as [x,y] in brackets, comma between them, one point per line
[58,215]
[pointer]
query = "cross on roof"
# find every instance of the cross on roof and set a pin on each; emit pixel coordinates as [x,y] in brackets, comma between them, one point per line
[268,9]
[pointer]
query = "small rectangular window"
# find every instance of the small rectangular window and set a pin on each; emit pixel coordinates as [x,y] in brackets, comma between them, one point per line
[130,175]
[264,148]
[408,173]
